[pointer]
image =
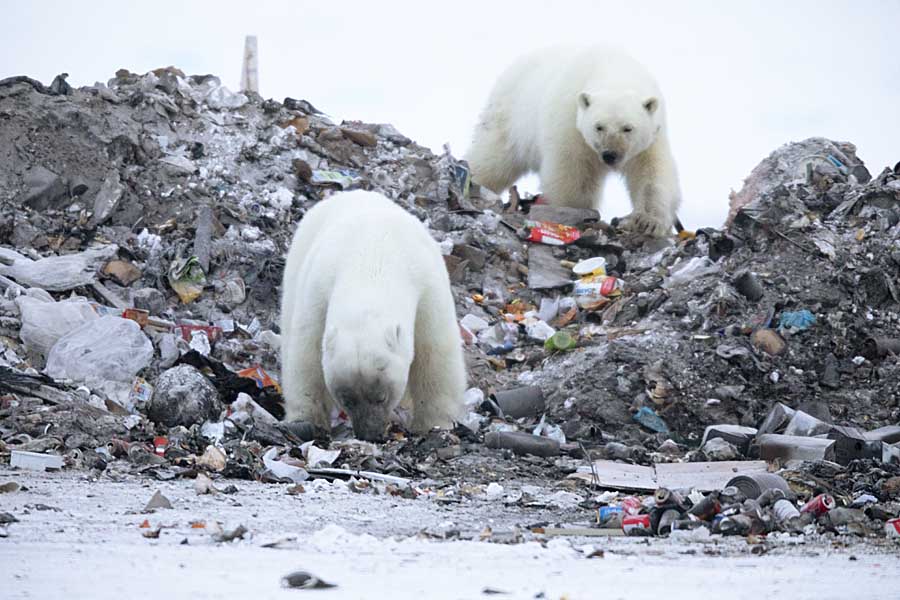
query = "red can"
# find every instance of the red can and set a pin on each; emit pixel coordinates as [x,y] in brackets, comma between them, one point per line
[631,505]
[160,444]
[636,525]
[892,528]
[819,505]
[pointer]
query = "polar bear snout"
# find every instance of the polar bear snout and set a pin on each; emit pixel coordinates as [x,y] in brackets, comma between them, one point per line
[369,403]
[610,157]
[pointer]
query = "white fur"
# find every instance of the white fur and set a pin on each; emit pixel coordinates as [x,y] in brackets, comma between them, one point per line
[366,296]
[534,121]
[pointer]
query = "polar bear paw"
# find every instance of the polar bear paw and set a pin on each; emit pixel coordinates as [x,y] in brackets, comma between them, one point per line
[650,224]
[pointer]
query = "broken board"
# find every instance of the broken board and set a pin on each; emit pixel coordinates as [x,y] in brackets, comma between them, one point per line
[544,270]
[704,476]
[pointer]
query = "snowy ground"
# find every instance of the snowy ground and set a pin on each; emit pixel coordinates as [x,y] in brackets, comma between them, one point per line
[78,538]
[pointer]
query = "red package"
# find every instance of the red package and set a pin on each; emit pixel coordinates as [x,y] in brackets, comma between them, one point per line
[554,234]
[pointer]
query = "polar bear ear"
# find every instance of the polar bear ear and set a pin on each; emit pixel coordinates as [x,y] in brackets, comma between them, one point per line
[584,99]
[651,104]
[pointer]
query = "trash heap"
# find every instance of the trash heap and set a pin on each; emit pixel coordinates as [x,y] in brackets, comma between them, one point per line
[143,225]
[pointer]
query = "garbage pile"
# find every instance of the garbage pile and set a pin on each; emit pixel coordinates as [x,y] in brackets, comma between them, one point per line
[143,225]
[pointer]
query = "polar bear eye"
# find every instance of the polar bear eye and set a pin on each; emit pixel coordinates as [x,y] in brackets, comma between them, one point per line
[628,129]
[599,128]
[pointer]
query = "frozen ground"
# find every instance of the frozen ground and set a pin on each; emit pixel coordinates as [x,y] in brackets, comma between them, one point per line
[78,538]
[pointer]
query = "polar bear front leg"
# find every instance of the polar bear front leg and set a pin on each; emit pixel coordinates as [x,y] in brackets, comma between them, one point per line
[652,182]
[306,396]
[437,376]
[571,181]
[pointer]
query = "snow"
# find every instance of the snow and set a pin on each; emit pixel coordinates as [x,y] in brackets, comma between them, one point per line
[93,547]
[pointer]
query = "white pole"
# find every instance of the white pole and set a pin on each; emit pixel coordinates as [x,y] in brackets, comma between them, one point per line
[250,72]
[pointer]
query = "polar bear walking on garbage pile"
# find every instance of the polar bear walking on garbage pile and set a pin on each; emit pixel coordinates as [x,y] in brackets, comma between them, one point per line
[368,321]
[574,115]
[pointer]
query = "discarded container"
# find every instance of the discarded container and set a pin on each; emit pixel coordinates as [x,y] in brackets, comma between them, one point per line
[521,443]
[553,234]
[520,402]
[632,505]
[187,331]
[752,485]
[875,348]
[779,416]
[806,425]
[748,285]
[819,505]
[34,461]
[590,266]
[707,508]
[738,435]
[785,510]
[160,444]
[892,528]
[666,519]
[139,316]
[588,291]
[890,434]
[637,525]
[560,341]
[790,447]
[605,514]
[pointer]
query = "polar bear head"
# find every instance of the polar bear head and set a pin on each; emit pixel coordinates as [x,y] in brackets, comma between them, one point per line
[366,366]
[618,126]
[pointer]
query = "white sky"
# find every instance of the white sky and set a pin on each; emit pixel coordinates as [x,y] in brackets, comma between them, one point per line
[739,80]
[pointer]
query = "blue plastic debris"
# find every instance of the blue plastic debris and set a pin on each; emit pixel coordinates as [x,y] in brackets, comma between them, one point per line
[648,418]
[795,321]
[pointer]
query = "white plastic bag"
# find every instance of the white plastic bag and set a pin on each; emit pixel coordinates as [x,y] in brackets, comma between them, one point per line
[106,349]
[44,322]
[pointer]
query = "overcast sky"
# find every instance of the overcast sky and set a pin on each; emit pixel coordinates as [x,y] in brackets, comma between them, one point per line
[739,80]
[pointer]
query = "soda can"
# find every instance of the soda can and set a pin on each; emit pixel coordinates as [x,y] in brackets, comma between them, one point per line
[892,528]
[632,505]
[636,525]
[160,444]
[819,505]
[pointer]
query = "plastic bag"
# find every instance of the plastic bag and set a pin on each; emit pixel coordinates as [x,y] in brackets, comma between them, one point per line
[106,349]
[44,322]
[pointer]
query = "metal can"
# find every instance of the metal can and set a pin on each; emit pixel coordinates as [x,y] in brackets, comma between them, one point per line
[892,528]
[160,444]
[819,505]
[636,525]
[632,505]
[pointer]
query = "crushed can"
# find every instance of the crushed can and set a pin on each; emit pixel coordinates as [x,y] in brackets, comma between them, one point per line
[892,528]
[637,525]
[160,443]
[819,505]
[632,505]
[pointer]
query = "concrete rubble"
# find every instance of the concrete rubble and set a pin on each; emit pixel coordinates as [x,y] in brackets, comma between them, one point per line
[629,386]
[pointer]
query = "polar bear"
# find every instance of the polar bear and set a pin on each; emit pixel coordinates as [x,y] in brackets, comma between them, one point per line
[574,115]
[368,320]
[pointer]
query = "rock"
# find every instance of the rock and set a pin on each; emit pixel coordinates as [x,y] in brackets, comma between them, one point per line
[363,138]
[183,396]
[107,199]
[768,341]
[718,449]
[149,299]
[122,272]
[45,188]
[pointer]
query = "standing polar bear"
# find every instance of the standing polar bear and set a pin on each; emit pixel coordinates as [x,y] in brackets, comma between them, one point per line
[573,115]
[368,321]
